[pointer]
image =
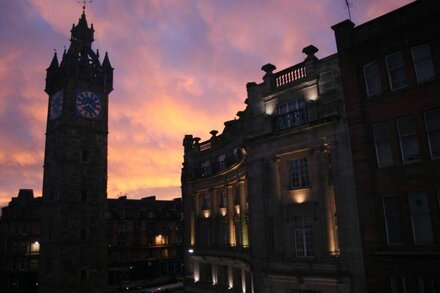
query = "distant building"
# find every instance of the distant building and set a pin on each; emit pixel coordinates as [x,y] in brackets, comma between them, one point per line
[144,242]
[269,204]
[390,69]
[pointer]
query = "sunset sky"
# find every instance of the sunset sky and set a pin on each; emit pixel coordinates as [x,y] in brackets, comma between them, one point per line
[181,68]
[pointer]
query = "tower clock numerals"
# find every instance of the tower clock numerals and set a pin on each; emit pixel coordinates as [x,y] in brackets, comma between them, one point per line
[88,104]
[56,105]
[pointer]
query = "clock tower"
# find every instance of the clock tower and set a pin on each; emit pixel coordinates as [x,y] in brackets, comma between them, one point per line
[74,242]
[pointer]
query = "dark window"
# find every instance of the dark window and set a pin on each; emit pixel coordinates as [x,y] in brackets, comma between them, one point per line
[299,173]
[409,144]
[432,122]
[396,71]
[84,157]
[83,275]
[303,231]
[427,285]
[83,234]
[291,114]
[83,195]
[392,219]
[372,79]
[420,217]
[382,144]
[398,285]
[423,63]
[206,168]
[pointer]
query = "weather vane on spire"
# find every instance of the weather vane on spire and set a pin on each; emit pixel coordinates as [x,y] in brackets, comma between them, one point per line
[348,6]
[84,2]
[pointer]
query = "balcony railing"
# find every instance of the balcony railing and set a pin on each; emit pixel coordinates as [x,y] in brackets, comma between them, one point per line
[290,75]
[292,119]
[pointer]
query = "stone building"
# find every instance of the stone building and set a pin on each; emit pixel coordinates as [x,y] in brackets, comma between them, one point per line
[144,239]
[269,204]
[390,70]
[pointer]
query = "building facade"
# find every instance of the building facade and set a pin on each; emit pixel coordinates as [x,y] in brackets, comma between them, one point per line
[144,243]
[269,204]
[390,74]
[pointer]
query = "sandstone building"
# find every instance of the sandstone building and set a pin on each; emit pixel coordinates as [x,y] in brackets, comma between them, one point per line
[269,204]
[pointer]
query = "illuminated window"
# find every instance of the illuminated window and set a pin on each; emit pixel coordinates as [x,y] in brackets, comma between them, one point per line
[420,217]
[423,63]
[303,231]
[372,79]
[382,144]
[432,122]
[35,247]
[409,144]
[299,173]
[396,71]
[391,207]
[160,239]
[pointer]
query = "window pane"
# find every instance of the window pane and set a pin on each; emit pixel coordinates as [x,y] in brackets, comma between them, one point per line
[382,143]
[420,217]
[408,138]
[396,71]
[423,63]
[299,173]
[398,285]
[432,122]
[372,79]
[303,230]
[392,219]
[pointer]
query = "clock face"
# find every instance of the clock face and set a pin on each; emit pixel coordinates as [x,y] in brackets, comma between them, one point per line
[88,104]
[56,105]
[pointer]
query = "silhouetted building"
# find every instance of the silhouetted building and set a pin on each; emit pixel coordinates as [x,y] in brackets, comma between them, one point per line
[144,239]
[73,240]
[390,74]
[269,204]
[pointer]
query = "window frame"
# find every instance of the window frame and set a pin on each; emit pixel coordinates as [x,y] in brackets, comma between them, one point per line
[428,131]
[426,213]
[303,177]
[375,140]
[404,160]
[366,79]
[390,70]
[422,60]
[306,240]
[387,215]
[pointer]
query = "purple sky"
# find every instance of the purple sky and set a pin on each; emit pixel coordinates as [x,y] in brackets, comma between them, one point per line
[181,68]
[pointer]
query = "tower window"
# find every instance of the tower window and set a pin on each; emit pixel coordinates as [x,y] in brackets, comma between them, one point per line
[83,195]
[83,234]
[84,156]
[83,275]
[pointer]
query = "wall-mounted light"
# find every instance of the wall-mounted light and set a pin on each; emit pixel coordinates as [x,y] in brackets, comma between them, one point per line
[191,250]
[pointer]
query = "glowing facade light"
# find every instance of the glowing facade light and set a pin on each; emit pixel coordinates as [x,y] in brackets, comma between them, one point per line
[191,250]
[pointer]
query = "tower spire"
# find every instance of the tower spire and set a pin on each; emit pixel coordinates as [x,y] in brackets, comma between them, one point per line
[84,2]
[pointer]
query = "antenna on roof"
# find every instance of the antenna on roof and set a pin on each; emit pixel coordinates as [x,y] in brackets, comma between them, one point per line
[348,6]
[84,2]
